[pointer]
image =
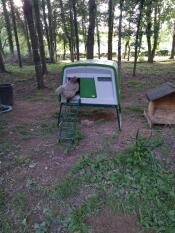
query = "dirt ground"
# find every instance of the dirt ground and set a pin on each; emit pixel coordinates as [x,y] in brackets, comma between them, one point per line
[31,152]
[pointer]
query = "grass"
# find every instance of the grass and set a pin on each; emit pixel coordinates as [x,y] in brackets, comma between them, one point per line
[136,83]
[66,188]
[48,128]
[6,148]
[23,131]
[126,183]
[157,69]
[38,96]
[20,160]
[135,108]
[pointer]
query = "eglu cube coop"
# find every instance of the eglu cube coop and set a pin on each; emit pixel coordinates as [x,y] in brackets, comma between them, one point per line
[98,86]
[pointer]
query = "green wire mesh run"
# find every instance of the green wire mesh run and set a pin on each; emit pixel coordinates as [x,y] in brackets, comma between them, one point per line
[69,118]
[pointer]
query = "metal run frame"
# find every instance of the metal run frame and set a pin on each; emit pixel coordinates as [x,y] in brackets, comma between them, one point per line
[117,108]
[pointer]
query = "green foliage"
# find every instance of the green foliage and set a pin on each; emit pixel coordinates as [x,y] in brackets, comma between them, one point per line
[74,222]
[43,227]
[19,201]
[20,160]
[66,188]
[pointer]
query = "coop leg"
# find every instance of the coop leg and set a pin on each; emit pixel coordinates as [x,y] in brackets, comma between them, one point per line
[118,110]
[59,115]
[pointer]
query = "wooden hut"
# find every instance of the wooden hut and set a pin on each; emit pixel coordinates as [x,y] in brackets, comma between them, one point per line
[161,106]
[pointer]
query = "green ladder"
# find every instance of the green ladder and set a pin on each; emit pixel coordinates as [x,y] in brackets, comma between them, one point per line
[67,121]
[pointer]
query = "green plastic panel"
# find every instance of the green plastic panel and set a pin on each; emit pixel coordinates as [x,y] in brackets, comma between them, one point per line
[87,88]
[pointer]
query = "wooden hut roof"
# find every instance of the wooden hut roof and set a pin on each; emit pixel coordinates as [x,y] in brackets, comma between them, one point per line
[161,91]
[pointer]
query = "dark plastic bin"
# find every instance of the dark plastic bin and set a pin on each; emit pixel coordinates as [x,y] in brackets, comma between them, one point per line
[6,94]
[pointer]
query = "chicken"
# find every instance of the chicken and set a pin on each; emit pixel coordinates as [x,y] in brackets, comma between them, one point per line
[69,89]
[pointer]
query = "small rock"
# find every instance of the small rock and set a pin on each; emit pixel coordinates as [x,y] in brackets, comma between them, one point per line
[32,165]
[87,123]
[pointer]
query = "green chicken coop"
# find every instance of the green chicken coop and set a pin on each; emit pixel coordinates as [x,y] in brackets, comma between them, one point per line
[99,85]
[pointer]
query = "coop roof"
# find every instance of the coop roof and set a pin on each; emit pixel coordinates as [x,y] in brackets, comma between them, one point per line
[94,62]
[161,91]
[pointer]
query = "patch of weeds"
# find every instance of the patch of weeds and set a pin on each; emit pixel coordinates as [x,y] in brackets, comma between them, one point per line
[20,160]
[66,188]
[127,182]
[23,131]
[7,147]
[48,128]
[74,222]
[136,83]
[44,226]
[19,203]
[136,108]
[79,135]
[70,144]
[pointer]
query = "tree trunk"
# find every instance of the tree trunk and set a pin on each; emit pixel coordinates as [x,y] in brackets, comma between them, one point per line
[46,26]
[120,35]
[156,30]
[140,41]
[137,36]
[72,33]
[2,66]
[15,32]
[34,40]
[110,27]
[50,18]
[126,48]
[74,5]
[98,40]
[8,27]
[129,50]
[40,35]
[64,49]
[27,38]
[90,37]
[54,30]
[1,47]
[25,30]
[149,30]
[173,44]
[65,29]
[84,31]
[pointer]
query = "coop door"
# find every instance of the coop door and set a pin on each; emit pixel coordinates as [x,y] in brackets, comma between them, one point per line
[87,88]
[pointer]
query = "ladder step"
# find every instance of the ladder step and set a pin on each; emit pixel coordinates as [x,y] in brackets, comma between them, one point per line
[69,117]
